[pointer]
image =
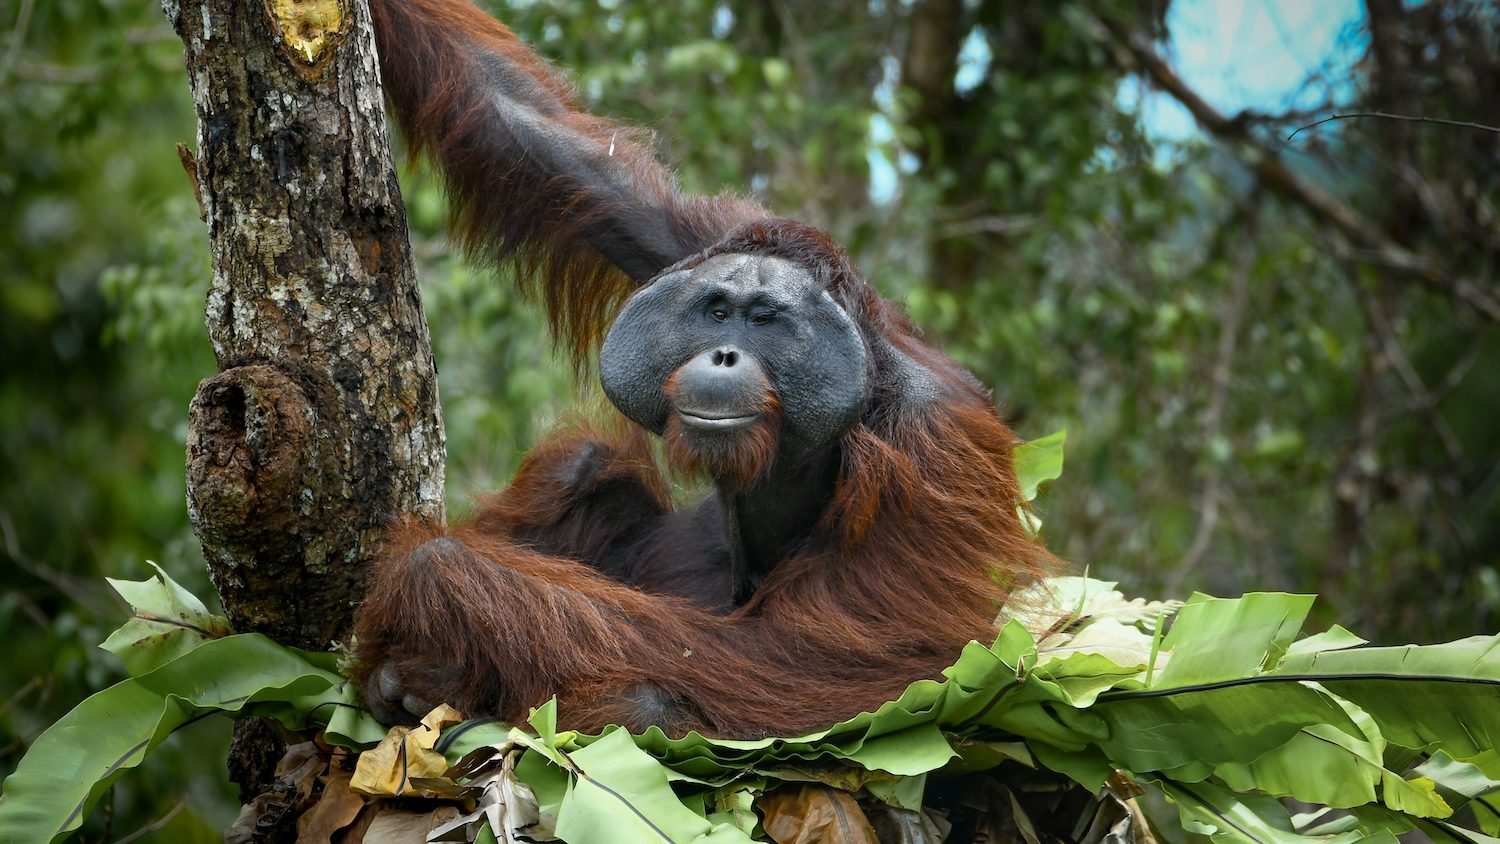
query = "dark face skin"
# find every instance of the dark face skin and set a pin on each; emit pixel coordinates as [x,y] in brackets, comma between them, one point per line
[706,348]
[721,328]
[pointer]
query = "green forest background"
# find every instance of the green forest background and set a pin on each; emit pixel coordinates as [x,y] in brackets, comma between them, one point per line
[1277,360]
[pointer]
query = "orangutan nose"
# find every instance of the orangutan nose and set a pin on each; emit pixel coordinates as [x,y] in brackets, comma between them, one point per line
[719,387]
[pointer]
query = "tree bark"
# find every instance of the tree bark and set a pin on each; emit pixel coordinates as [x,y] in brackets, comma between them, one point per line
[323,424]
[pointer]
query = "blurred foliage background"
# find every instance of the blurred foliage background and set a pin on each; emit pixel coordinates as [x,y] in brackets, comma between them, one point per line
[1277,360]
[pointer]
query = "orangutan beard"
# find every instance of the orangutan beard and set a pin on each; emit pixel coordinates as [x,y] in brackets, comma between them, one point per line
[736,458]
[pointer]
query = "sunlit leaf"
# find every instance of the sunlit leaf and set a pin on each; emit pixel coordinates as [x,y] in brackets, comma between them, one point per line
[1224,638]
[167,621]
[1463,782]
[1038,461]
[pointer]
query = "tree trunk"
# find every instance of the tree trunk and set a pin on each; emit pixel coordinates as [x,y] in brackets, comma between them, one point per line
[323,423]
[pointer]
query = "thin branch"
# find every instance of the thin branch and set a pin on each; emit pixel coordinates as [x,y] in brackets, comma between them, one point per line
[109,816]
[21,693]
[1463,124]
[17,38]
[1390,347]
[154,825]
[987,225]
[1458,373]
[24,738]
[1273,172]
[807,69]
[1353,482]
[77,588]
[57,74]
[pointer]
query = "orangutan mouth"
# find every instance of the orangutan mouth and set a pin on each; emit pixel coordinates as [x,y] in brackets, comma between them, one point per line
[705,422]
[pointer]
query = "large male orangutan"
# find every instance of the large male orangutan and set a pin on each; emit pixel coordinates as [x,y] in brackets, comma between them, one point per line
[864,524]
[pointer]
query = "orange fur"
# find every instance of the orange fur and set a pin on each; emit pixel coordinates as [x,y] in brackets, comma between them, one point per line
[738,459]
[506,210]
[910,562]
[540,593]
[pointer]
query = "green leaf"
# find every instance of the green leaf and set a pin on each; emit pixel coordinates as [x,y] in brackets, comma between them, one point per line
[1333,639]
[1225,638]
[543,719]
[903,792]
[1320,764]
[349,723]
[1424,697]
[1234,719]
[548,781]
[1088,767]
[910,752]
[1081,677]
[1326,765]
[621,794]
[1224,815]
[168,622]
[1038,461]
[71,764]
[1461,783]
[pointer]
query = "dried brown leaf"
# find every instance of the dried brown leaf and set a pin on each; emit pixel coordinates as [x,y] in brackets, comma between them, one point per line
[387,769]
[393,827]
[296,776]
[335,810]
[903,826]
[355,832]
[242,831]
[814,814]
[300,768]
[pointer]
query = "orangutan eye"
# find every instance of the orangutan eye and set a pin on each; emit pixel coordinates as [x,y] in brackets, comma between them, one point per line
[719,314]
[760,319]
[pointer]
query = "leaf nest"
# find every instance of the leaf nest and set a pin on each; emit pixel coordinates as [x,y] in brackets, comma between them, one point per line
[1089,713]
